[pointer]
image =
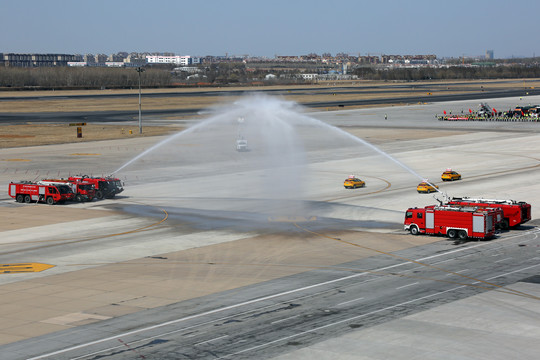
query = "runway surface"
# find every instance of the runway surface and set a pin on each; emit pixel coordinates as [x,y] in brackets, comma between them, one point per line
[419,93]
[203,256]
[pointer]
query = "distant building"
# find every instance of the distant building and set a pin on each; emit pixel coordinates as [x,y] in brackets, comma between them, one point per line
[37,60]
[369,60]
[77,63]
[135,60]
[116,58]
[309,76]
[171,59]
[100,59]
[287,58]
[188,69]
[114,64]
[489,55]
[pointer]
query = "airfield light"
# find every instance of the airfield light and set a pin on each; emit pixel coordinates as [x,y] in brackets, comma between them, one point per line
[140,70]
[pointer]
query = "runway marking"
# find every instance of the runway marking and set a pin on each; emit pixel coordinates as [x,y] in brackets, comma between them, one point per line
[264,298]
[340,322]
[194,334]
[207,341]
[369,313]
[404,286]
[84,154]
[291,219]
[350,301]
[508,258]
[282,320]
[415,268]
[457,272]
[23,268]
[16,160]
[442,261]
[514,292]
[130,349]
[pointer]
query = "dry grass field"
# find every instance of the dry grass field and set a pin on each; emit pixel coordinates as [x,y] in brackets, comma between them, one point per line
[44,134]
[30,134]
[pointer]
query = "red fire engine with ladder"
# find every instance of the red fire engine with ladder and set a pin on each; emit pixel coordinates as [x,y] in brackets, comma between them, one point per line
[515,212]
[453,221]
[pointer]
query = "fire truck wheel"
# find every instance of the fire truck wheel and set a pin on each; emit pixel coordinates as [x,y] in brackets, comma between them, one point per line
[78,198]
[20,198]
[99,194]
[414,230]
[27,199]
[452,233]
[504,224]
[50,200]
[462,235]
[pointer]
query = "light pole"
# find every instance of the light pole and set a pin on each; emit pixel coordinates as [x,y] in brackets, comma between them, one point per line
[140,70]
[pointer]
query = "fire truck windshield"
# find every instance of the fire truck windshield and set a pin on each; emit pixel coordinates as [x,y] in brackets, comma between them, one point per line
[64,189]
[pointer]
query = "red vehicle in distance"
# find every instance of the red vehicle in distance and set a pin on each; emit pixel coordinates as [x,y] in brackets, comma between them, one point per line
[106,187]
[28,192]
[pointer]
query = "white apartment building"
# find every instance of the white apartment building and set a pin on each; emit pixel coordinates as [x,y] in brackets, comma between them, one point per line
[175,59]
[309,76]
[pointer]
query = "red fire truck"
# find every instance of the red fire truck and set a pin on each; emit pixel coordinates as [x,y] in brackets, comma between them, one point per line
[453,221]
[84,191]
[515,212]
[106,187]
[51,194]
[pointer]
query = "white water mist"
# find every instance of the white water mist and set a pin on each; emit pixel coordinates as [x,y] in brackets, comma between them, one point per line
[201,166]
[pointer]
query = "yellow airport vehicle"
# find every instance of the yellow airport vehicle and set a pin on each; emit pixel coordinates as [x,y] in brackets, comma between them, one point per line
[425,187]
[352,182]
[450,175]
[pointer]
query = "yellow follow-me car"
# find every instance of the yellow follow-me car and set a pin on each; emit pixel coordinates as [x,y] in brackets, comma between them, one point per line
[450,175]
[425,187]
[352,182]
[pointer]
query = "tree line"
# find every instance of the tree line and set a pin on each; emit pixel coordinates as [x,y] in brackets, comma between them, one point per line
[449,73]
[81,78]
[231,73]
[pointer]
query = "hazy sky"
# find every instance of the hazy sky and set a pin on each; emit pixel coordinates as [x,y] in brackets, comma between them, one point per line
[274,27]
